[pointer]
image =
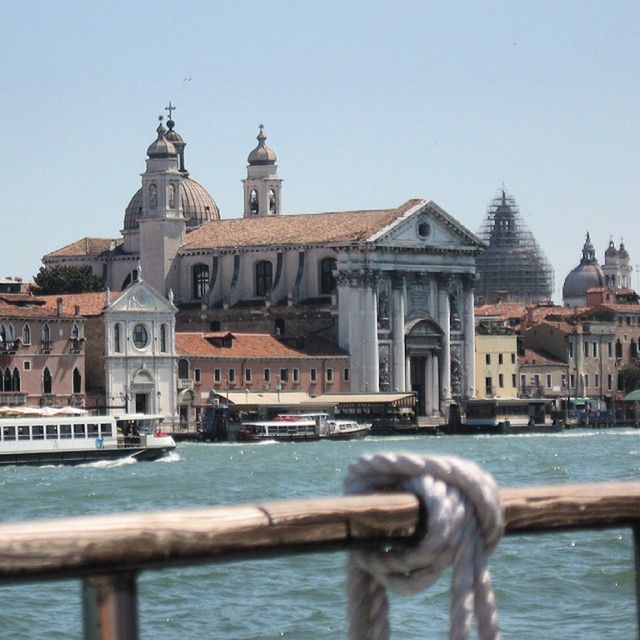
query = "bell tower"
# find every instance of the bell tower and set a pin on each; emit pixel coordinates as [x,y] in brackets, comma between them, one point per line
[162,223]
[262,185]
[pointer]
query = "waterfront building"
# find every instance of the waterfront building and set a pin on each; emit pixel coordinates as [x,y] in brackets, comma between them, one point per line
[41,352]
[496,363]
[514,267]
[393,287]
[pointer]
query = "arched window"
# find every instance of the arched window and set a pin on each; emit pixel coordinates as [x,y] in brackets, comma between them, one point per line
[183,369]
[254,205]
[15,380]
[47,382]
[272,202]
[11,333]
[46,337]
[3,333]
[172,196]
[327,279]
[153,196]
[26,334]
[264,278]
[633,348]
[7,379]
[75,332]
[77,381]
[117,338]
[200,281]
[618,349]
[163,338]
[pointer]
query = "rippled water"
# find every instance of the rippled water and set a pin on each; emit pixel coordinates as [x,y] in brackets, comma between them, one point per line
[578,585]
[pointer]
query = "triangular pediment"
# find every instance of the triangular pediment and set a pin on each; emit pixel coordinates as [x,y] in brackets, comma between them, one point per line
[427,226]
[141,297]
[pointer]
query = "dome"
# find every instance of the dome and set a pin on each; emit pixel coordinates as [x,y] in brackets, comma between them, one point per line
[198,206]
[262,154]
[161,147]
[173,136]
[584,277]
[622,252]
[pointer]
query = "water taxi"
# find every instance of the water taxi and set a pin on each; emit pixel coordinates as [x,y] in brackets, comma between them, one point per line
[347,430]
[66,439]
[507,416]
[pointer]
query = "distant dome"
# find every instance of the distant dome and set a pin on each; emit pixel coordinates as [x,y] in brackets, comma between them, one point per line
[622,252]
[587,275]
[580,280]
[262,154]
[198,206]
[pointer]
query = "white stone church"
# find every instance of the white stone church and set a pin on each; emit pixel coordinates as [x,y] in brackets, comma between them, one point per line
[393,287]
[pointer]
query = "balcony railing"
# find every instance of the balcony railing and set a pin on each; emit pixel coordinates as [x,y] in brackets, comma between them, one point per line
[9,346]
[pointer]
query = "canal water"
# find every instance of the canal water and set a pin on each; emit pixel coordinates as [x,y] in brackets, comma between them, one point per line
[578,585]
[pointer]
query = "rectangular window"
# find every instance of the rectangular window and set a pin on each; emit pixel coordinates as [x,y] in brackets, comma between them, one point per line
[27,365]
[514,380]
[620,384]
[513,358]
[217,375]
[329,374]
[585,349]
[296,375]
[267,375]
[313,375]
[487,358]
[572,380]
[548,381]
[488,385]
[500,358]
[571,349]
[586,382]
[500,380]
[284,375]
[345,375]
[595,349]
[523,382]
[564,381]
[609,382]
[247,375]
[197,376]
[610,349]
[232,375]
[536,380]
[596,382]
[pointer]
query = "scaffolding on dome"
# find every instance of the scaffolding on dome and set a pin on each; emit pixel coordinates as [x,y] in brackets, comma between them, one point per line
[513,267]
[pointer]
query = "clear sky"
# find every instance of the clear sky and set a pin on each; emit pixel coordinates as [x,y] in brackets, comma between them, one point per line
[366,104]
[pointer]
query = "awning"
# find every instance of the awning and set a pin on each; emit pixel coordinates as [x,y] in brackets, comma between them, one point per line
[634,395]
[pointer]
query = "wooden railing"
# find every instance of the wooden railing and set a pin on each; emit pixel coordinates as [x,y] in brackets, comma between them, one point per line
[107,552]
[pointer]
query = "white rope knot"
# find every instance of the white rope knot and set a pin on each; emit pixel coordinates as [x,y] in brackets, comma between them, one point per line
[463,525]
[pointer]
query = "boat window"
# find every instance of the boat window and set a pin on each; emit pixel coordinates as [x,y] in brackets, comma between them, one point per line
[106,430]
[65,431]
[92,430]
[37,432]
[78,431]
[23,432]
[8,433]
[52,432]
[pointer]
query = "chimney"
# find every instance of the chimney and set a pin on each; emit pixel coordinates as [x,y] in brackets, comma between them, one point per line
[58,307]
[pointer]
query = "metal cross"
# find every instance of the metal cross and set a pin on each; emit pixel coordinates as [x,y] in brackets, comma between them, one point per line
[170,108]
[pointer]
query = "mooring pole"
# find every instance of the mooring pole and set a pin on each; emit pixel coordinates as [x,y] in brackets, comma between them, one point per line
[110,607]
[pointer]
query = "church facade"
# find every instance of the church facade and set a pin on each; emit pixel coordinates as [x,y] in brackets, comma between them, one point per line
[392,287]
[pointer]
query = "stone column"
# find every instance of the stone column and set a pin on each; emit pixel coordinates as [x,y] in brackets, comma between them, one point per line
[398,357]
[435,384]
[468,323]
[445,285]
[428,384]
[343,281]
[362,339]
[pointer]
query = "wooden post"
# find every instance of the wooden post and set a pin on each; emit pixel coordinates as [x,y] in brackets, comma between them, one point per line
[110,607]
[636,557]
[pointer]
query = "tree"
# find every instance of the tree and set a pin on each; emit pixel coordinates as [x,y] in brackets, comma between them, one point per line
[60,278]
[629,376]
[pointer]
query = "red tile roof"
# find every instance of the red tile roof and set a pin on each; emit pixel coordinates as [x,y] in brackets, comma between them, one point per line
[256,345]
[537,357]
[89,304]
[86,247]
[324,228]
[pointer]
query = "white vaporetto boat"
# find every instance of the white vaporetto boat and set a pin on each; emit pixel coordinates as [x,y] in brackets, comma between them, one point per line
[65,439]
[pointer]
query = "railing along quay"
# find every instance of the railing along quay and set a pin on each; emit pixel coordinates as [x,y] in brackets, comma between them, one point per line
[107,552]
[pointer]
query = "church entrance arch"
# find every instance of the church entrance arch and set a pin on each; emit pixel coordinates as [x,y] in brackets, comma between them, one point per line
[423,344]
[142,390]
[186,400]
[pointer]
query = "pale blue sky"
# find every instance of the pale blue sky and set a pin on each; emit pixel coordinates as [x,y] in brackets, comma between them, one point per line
[367,104]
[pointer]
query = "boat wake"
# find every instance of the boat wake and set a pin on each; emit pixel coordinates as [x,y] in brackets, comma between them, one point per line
[109,464]
[172,456]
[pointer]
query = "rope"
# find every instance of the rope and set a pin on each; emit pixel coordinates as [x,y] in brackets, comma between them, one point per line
[463,525]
